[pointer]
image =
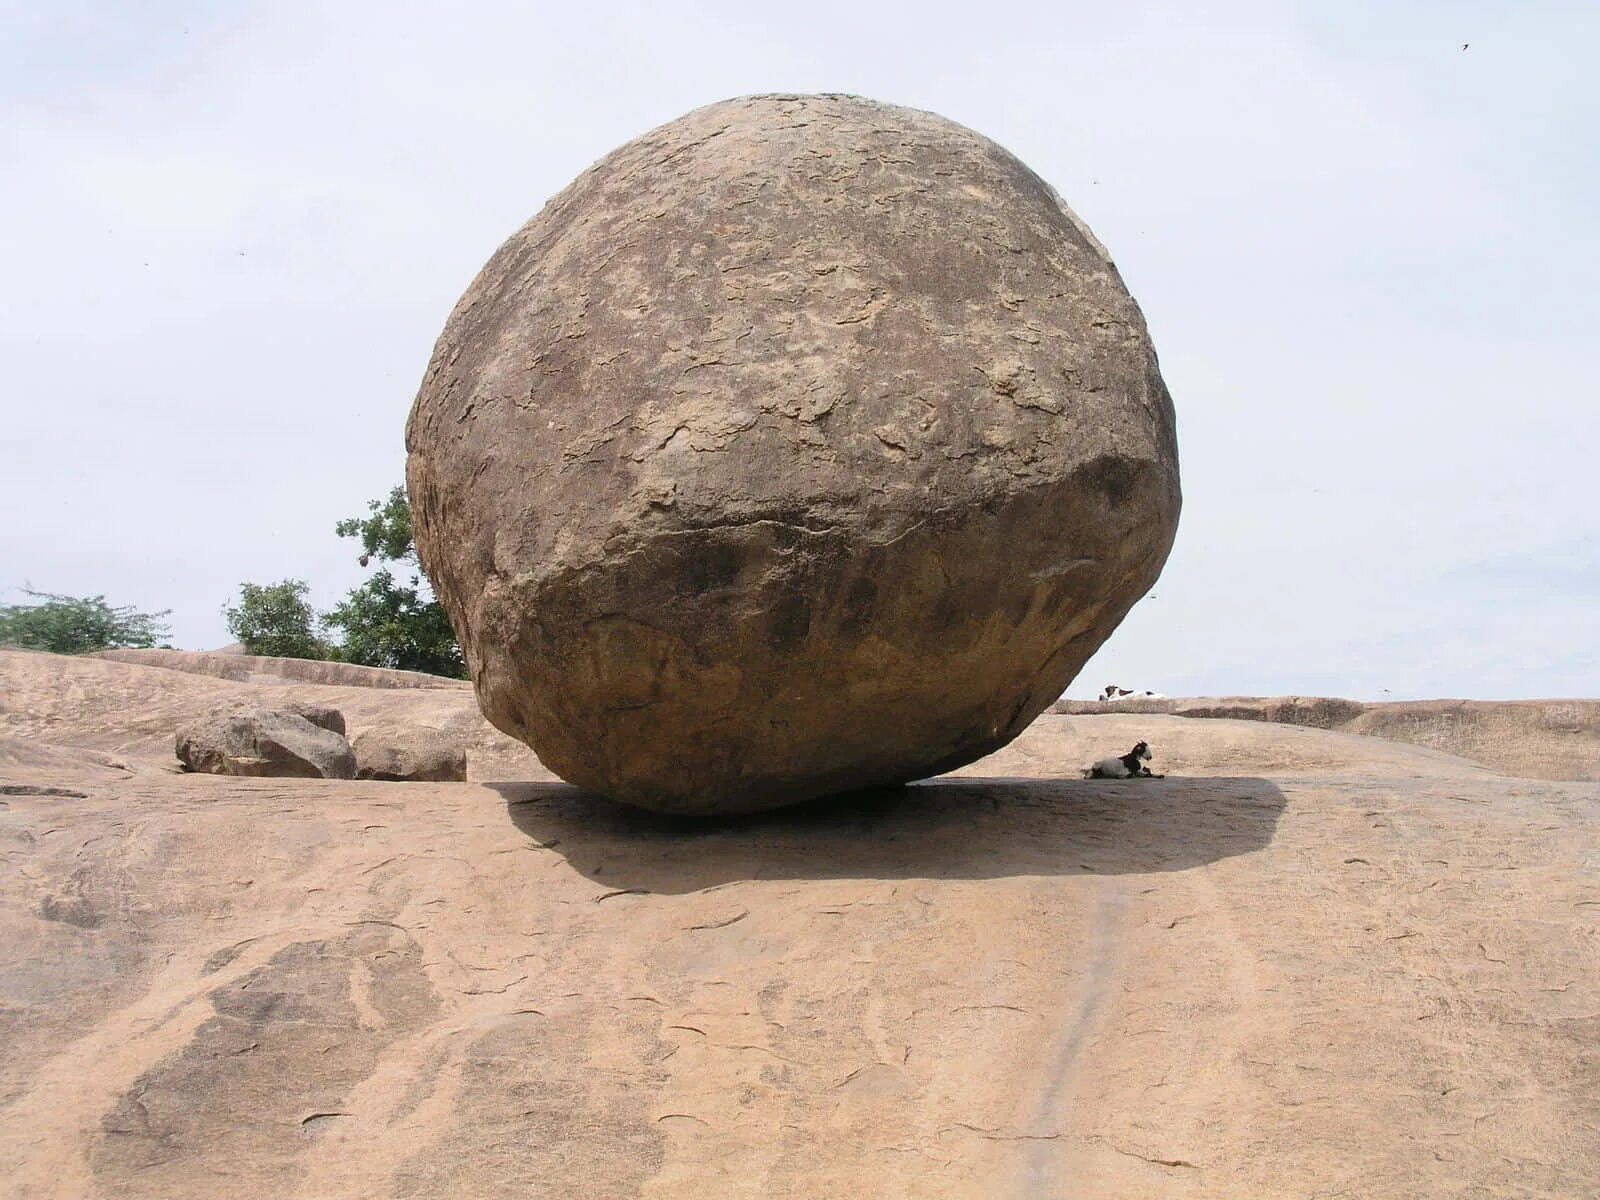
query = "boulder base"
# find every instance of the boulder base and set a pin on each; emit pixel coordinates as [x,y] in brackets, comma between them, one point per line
[803,444]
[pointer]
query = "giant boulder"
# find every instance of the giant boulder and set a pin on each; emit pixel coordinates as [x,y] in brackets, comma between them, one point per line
[802,444]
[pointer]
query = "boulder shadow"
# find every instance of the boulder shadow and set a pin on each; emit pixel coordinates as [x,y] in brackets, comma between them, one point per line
[948,828]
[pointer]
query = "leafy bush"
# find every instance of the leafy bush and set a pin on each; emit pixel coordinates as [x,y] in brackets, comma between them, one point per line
[382,623]
[79,624]
[276,620]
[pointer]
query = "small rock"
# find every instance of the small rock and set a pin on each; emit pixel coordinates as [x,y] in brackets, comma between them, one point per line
[409,756]
[275,742]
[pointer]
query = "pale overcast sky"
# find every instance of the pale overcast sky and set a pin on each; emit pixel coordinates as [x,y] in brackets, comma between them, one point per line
[231,232]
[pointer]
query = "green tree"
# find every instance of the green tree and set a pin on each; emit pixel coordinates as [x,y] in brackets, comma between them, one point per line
[385,532]
[79,624]
[386,623]
[276,620]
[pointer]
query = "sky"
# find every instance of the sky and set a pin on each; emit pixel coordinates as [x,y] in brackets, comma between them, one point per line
[1363,235]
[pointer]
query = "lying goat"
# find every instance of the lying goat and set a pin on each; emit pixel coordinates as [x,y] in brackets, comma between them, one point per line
[1129,766]
[1113,692]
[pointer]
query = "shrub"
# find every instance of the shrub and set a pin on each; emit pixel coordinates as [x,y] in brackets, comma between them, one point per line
[276,620]
[79,624]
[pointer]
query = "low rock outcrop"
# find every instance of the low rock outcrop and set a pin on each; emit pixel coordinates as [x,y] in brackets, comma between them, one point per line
[253,668]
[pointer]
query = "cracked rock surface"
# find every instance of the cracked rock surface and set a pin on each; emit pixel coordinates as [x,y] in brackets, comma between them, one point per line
[802,444]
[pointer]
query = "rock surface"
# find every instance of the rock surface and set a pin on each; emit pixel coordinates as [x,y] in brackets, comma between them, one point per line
[323,716]
[801,444]
[1305,963]
[131,710]
[1540,739]
[250,668]
[249,740]
[409,755]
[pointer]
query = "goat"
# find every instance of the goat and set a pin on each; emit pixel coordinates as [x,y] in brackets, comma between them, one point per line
[1113,692]
[1128,766]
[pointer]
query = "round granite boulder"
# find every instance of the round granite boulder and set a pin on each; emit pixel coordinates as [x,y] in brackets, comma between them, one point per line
[803,444]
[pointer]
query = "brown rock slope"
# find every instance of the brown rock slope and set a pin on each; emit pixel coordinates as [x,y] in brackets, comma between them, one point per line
[1307,963]
[1539,739]
[134,709]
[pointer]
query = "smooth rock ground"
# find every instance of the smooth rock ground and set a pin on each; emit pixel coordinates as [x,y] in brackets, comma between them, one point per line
[800,444]
[1306,963]
[1540,739]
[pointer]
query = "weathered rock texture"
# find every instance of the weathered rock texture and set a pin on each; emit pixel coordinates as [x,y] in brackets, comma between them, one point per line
[323,716]
[803,443]
[1304,964]
[128,711]
[408,755]
[250,668]
[298,742]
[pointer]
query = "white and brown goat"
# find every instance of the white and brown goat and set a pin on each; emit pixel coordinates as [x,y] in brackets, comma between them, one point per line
[1126,766]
